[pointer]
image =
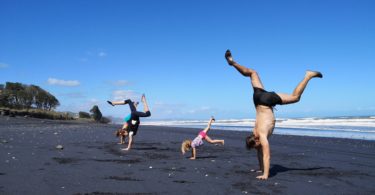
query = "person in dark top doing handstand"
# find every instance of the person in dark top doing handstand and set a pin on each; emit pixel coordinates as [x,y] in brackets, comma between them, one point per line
[132,124]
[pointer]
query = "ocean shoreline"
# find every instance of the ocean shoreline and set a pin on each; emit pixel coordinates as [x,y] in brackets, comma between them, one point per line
[277,132]
[338,127]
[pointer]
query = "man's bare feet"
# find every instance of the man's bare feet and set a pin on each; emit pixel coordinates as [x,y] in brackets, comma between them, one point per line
[192,158]
[313,74]
[125,149]
[229,58]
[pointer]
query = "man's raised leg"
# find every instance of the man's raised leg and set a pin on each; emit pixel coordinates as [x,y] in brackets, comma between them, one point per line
[247,72]
[298,91]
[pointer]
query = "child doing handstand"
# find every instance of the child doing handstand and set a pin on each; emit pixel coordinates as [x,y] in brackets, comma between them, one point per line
[198,141]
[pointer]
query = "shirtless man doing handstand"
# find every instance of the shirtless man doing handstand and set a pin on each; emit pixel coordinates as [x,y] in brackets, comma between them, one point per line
[264,102]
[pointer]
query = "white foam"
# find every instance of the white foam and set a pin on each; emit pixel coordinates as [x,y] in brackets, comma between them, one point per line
[344,127]
[368,122]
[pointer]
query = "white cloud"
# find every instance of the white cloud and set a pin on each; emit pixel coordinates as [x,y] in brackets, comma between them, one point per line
[125,94]
[102,54]
[53,81]
[121,83]
[3,65]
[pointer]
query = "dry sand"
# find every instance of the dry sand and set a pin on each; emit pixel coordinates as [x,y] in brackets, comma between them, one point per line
[91,162]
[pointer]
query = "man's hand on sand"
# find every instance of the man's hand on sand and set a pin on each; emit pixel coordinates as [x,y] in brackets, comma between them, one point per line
[262,177]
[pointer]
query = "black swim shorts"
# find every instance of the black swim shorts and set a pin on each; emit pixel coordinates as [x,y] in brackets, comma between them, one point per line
[265,98]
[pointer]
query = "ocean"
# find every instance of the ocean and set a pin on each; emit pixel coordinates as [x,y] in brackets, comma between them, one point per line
[339,127]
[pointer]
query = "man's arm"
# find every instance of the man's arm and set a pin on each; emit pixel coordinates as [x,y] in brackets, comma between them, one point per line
[266,156]
[260,158]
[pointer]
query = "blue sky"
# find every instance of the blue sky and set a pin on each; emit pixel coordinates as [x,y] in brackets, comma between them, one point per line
[86,52]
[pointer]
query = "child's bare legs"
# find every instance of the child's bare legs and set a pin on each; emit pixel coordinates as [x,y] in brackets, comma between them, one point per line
[212,119]
[208,139]
[297,93]
[247,72]
[215,141]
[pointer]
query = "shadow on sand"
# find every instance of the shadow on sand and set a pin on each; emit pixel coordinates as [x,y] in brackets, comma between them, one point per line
[144,148]
[275,169]
[204,157]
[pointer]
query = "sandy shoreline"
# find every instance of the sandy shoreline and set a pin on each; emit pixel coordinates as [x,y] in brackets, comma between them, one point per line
[92,163]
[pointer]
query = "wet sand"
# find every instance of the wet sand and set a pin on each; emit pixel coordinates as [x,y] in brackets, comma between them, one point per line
[91,162]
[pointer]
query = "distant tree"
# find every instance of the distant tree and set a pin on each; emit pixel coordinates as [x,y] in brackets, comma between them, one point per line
[3,96]
[25,97]
[4,100]
[44,100]
[96,114]
[33,91]
[40,97]
[52,102]
[18,95]
[14,91]
[84,115]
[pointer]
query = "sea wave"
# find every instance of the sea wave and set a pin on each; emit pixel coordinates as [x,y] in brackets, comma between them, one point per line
[348,127]
[284,123]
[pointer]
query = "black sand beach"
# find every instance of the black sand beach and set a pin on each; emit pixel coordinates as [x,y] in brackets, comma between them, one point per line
[91,162]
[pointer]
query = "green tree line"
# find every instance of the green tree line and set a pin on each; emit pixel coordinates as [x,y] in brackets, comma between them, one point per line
[21,96]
